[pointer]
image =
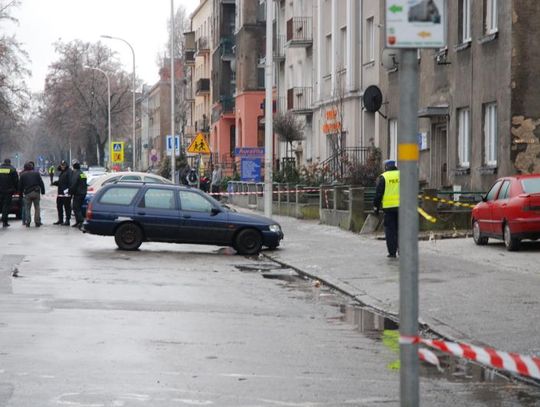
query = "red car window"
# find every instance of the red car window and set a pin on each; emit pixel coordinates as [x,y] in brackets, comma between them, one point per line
[493,191]
[505,190]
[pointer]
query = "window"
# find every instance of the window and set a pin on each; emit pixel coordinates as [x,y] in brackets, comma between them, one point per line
[392,139]
[153,180]
[328,56]
[370,39]
[158,199]
[493,191]
[503,194]
[490,134]
[464,137]
[465,21]
[192,201]
[118,196]
[343,48]
[531,185]
[491,16]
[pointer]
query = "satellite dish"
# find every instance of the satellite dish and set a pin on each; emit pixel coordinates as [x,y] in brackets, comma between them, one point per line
[390,58]
[372,99]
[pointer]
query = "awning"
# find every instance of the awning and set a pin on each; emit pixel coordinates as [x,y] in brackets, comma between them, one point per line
[433,111]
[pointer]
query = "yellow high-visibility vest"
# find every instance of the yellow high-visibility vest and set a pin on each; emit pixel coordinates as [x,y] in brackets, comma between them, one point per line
[391,189]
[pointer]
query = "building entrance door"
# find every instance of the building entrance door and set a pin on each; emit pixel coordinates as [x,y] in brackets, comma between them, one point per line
[439,157]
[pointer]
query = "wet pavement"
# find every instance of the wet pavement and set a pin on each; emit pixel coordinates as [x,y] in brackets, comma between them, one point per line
[87,325]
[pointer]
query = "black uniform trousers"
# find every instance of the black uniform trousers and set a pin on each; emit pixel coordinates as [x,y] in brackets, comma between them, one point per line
[5,204]
[391,230]
[78,201]
[63,205]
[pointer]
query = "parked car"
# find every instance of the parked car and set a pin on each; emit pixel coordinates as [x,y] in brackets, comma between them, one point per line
[510,211]
[137,212]
[16,206]
[95,172]
[95,184]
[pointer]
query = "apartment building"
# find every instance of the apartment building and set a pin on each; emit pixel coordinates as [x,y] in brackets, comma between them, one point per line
[478,111]
[223,117]
[201,70]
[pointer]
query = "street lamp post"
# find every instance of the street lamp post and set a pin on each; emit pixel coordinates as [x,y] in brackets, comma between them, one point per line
[108,107]
[133,84]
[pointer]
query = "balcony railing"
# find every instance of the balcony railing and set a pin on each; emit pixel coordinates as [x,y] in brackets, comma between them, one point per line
[299,32]
[189,57]
[203,47]
[202,87]
[300,100]
[227,48]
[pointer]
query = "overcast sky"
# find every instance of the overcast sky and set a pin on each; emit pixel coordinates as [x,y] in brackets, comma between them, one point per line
[143,23]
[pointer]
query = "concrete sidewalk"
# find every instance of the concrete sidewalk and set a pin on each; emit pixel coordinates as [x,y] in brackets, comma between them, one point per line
[482,295]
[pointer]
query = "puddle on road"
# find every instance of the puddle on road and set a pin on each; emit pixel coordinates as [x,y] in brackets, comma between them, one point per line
[381,328]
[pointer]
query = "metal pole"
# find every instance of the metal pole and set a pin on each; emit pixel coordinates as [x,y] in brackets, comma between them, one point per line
[133,91]
[408,225]
[268,125]
[173,156]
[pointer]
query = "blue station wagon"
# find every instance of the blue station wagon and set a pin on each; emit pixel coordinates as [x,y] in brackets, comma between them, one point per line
[137,212]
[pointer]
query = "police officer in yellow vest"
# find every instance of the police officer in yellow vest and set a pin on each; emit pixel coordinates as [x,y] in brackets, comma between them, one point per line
[387,199]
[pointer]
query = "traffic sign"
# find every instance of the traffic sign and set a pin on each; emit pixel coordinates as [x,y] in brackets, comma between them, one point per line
[415,23]
[176,145]
[199,145]
[117,152]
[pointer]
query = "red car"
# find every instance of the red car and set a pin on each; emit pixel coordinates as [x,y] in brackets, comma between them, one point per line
[510,211]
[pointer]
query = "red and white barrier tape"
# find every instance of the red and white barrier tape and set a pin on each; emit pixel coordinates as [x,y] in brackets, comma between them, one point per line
[511,362]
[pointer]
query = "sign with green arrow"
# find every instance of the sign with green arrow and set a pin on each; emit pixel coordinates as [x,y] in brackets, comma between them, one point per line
[416,23]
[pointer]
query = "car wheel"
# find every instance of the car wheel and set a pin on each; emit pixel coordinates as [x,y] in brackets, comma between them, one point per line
[511,243]
[477,235]
[128,236]
[248,241]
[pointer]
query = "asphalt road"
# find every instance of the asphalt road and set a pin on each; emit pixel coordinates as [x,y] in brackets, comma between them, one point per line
[87,325]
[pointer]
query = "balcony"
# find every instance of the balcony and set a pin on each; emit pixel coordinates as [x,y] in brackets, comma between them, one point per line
[203,47]
[227,48]
[202,87]
[189,38]
[189,58]
[300,100]
[188,93]
[299,32]
[224,108]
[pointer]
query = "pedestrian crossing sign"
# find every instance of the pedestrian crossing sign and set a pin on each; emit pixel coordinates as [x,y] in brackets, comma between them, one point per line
[117,152]
[199,145]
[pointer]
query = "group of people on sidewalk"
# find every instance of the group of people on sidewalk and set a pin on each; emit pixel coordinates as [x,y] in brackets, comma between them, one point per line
[189,176]
[29,185]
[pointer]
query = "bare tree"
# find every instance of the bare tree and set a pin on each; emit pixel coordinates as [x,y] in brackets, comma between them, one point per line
[289,129]
[75,98]
[13,74]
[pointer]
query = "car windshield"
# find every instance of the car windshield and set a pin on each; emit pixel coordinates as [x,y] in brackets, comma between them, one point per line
[531,185]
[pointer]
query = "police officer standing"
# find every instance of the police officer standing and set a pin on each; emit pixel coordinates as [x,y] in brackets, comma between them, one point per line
[78,189]
[63,199]
[387,199]
[9,181]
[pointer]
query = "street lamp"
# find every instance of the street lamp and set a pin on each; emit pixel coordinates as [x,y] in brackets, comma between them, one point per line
[108,105]
[133,79]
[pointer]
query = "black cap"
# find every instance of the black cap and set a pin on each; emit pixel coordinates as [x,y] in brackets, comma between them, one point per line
[7,161]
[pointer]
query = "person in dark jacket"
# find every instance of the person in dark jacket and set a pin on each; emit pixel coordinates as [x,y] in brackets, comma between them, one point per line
[387,199]
[63,199]
[9,181]
[77,189]
[31,186]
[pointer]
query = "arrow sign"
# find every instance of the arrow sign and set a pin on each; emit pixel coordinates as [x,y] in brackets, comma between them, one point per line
[394,8]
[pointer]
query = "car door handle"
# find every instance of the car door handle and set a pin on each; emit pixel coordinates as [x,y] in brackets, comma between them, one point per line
[186,216]
[141,213]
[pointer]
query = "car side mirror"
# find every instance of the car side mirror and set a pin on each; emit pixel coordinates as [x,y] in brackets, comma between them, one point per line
[215,211]
[484,198]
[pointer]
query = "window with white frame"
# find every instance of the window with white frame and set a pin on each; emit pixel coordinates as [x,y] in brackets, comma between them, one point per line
[328,56]
[343,48]
[464,137]
[465,20]
[370,39]
[490,134]
[392,139]
[491,16]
